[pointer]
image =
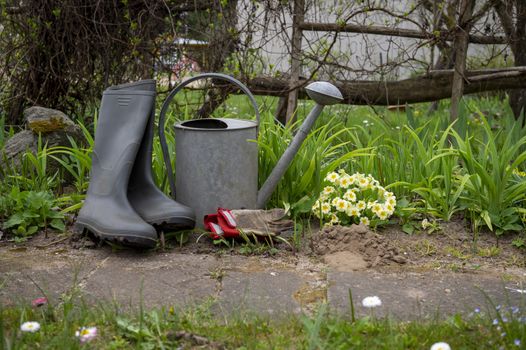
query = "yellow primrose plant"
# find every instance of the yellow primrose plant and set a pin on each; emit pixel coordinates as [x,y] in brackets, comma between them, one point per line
[353,199]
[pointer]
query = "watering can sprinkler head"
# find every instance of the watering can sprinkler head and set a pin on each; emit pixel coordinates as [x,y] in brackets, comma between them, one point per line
[324,93]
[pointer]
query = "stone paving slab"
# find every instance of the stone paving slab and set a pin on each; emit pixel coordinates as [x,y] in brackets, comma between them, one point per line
[156,280]
[25,274]
[269,293]
[263,285]
[421,295]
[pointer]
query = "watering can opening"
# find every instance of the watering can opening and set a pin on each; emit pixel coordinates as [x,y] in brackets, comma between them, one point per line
[205,124]
[218,125]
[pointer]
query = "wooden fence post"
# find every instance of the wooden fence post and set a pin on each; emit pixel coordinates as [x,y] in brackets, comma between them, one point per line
[298,15]
[460,48]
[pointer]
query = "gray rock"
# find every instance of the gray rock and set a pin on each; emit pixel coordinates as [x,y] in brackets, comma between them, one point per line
[53,126]
[45,120]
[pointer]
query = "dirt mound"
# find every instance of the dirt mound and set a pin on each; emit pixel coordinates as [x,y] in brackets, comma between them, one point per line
[354,248]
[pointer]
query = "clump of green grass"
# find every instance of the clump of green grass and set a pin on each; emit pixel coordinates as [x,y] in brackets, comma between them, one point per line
[169,328]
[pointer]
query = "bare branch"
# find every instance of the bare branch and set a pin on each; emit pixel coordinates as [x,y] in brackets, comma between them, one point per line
[400,32]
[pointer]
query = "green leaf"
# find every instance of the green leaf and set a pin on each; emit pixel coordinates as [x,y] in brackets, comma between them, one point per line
[15,220]
[58,225]
[408,228]
[485,216]
[31,230]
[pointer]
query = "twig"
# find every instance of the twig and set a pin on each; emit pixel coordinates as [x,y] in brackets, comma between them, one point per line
[52,243]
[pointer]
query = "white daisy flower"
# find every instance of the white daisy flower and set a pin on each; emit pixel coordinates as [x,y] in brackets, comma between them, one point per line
[371,302]
[30,326]
[86,334]
[440,346]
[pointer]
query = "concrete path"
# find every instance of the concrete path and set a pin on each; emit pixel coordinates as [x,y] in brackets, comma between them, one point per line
[273,286]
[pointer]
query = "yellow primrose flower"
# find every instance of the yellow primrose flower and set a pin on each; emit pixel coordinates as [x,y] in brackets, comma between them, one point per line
[345,181]
[328,190]
[335,201]
[383,214]
[353,211]
[389,207]
[342,205]
[364,220]
[334,219]
[332,177]
[324,196]
[361,205]
[325,208]
[363,182]
[350,196]
[376,208]
[391,200]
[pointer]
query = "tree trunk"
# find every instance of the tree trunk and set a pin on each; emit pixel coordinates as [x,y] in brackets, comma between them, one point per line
[516,33]
[518,97]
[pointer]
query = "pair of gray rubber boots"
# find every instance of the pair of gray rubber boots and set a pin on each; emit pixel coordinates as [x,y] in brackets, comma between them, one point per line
[123,204]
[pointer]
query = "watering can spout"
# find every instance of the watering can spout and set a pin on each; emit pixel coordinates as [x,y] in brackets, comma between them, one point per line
[324,94]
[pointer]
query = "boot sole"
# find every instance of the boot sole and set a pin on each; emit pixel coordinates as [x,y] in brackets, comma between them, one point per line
[175,224]
[127,240]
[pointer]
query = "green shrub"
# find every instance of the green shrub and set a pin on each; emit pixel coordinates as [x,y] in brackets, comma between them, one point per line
[25,212]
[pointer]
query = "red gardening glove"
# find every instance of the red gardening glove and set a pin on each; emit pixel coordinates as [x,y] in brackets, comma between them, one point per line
[221,225]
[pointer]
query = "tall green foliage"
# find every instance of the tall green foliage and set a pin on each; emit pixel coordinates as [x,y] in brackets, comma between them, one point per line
[493,193]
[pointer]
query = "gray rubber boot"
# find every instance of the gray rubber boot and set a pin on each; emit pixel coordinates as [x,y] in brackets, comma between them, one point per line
[107,212]
[145,197]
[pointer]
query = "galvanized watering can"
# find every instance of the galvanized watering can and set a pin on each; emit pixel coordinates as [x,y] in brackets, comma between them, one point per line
[217,158]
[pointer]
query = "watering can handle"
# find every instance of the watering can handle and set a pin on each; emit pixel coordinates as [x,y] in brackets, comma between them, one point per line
[169,98]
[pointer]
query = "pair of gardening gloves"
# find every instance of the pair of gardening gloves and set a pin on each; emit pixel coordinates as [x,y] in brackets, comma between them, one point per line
[256,223]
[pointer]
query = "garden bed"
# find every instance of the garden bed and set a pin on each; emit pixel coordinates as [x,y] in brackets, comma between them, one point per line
[346,248]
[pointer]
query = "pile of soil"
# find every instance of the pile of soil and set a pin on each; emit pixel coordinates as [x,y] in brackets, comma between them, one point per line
[453,247]
[354,248]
